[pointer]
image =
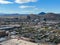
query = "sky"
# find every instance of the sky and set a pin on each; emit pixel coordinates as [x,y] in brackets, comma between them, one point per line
[29,6]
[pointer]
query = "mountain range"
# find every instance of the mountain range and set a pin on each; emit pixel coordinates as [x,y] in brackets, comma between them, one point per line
[47,16]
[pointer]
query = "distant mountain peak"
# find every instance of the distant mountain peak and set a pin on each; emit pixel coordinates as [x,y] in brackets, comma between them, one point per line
[42,13]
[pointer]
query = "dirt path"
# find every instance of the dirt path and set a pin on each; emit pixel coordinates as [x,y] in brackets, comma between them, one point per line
[20,42]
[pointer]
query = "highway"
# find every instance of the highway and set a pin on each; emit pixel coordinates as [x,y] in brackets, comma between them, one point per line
[6,27]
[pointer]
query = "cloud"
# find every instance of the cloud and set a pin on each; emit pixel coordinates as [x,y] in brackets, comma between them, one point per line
[37,9]
[24,1]
[5,2]
[23,7]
